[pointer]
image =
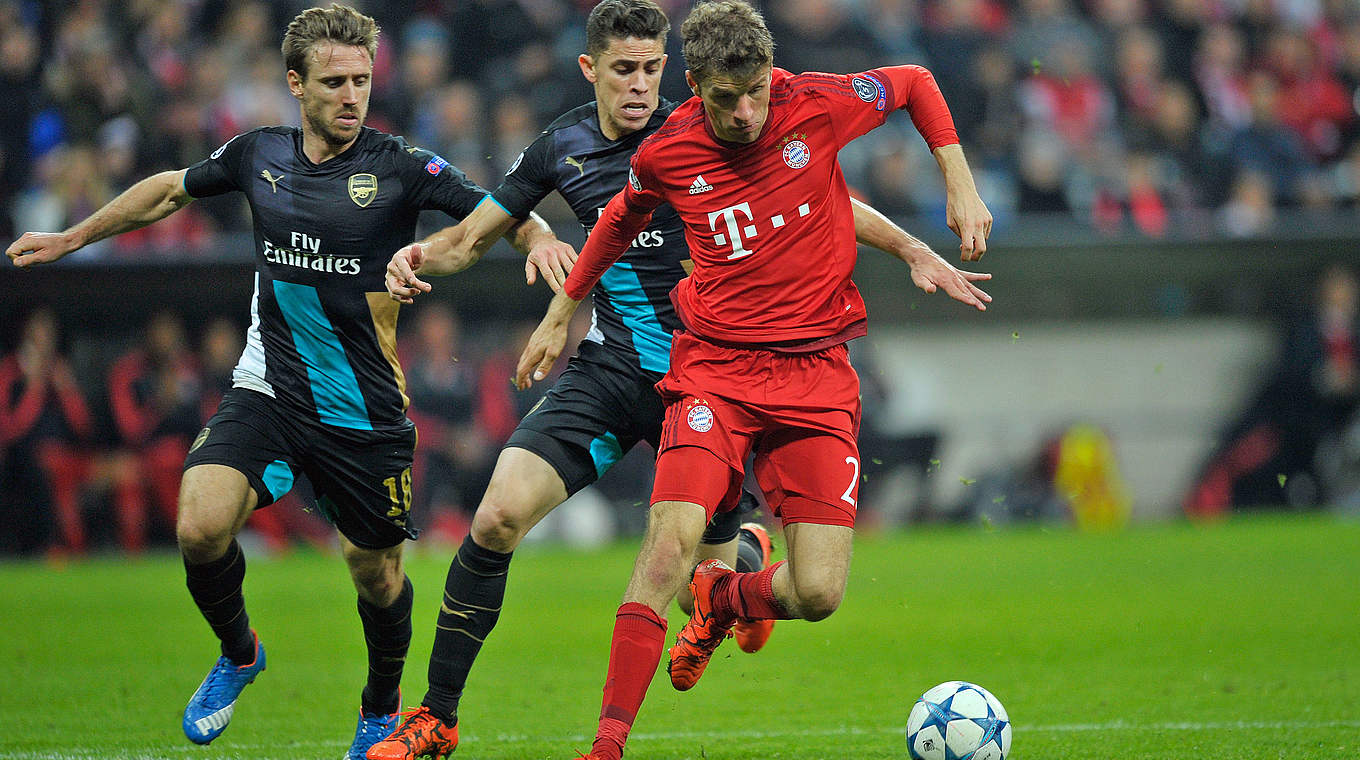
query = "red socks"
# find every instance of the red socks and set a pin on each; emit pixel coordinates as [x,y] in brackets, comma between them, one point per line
[639,638]
[749,596]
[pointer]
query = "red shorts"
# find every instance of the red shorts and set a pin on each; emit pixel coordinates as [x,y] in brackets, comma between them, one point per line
[798,413]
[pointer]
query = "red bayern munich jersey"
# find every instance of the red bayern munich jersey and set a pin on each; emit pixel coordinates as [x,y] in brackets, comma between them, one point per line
[769,224]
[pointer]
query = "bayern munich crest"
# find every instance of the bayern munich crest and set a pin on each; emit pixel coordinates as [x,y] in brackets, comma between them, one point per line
[700,418]
[796,152]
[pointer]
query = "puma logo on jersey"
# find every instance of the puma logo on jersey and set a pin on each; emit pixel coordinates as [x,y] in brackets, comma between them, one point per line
[579,163]
[271,179]
[699,186]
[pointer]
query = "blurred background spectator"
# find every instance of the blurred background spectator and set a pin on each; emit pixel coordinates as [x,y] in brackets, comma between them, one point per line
[462,406]
[155,394]
[1310,396]
[45,432]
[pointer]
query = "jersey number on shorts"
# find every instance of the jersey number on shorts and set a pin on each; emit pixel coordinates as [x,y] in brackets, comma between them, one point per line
[847,497]
[401,502]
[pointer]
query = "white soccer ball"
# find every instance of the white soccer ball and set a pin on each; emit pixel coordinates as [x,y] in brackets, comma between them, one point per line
[958,720]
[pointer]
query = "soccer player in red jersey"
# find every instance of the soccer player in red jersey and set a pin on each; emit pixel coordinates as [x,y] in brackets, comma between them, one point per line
[761,366]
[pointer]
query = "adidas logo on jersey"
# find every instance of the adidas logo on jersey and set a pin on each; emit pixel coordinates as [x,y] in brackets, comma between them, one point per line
[699,186]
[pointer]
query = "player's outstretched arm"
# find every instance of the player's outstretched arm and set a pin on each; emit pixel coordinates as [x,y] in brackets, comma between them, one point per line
[447,251]
[155,197]
[929,271]
[458,247]
[547,342]
[546,254]
[965,212]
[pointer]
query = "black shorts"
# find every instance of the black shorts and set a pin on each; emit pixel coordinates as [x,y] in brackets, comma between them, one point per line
[361,478]
[594,414]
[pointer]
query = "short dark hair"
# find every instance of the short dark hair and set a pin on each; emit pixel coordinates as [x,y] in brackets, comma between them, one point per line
[727,36]
[339,24]
[621,19]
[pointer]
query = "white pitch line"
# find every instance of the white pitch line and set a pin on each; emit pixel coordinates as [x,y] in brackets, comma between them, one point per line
[255,751]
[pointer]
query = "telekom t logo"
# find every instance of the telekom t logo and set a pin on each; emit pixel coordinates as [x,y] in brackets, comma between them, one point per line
[738,231]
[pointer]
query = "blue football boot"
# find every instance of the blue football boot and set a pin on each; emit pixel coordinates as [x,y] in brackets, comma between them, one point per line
[209,710]
[372,728]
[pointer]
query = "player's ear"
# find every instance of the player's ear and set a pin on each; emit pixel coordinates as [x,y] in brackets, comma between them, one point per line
[587,67]
[295,83]
[689,79]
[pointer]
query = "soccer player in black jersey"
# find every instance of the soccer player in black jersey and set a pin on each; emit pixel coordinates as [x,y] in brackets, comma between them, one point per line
[318,390]
[604,403]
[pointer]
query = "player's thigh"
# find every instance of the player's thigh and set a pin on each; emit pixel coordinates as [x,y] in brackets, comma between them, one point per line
[819,565]
[588,420]
[524,488]
[810,475]
[214,502]
[704,444]
[240,460]
[362,481]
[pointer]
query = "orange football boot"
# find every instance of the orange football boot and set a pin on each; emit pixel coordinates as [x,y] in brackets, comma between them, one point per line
[422,734]
[703,633]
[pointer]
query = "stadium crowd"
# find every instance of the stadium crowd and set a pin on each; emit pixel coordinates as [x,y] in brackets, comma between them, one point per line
[1132,116]
[94,430]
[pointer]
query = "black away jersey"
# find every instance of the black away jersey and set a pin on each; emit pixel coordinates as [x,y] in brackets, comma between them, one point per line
[322,336]
[633,317]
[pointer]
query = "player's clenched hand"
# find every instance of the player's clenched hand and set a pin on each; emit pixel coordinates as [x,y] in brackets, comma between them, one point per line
[402,283]
[969,218]
[38,248]
[930,272]
[554,260]
[545,345]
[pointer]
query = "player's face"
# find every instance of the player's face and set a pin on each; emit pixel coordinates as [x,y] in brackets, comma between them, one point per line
[627,78]
[737,106]
[334,94]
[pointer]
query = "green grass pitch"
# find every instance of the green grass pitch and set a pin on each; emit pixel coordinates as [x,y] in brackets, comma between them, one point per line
[1235,640]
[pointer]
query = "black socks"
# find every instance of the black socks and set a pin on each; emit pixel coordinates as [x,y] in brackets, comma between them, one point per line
[473,593]
[749,556]
[216,589]
[387,632]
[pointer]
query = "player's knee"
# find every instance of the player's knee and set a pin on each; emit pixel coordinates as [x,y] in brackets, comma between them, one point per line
[498,527]
[668,558]
[377,575]
[201,539]
[818,601]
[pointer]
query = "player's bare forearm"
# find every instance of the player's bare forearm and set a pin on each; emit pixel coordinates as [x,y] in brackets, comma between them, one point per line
[456,248]
[547,342]
[447,252]
[875,230]
[151,199]
[965,212]
[929,271]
